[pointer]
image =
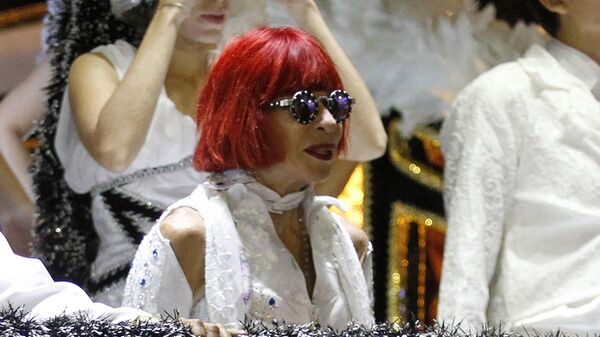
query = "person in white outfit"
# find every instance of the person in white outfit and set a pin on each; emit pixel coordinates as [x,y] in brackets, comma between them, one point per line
[521,184]
[254,241]
[126,130]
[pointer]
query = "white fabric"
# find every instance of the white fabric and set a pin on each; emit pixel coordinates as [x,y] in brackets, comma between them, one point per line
[25,283]
[418,67]
[118,7]
[171,138]
[522,178]
[273,201]
[248,269]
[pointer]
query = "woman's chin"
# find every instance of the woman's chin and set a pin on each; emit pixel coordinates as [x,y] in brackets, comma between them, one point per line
[205,37]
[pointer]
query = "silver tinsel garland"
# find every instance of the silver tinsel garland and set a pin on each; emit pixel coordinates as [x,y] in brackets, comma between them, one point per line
[14,323]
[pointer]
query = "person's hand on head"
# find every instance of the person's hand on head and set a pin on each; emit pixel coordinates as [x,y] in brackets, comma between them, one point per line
[298,9]
[184,7]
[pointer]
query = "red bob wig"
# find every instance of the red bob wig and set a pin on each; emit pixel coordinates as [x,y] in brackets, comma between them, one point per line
[253,69]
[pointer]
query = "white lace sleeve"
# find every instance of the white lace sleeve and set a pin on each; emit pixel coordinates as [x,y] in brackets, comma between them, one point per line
[480,153]
[156,282]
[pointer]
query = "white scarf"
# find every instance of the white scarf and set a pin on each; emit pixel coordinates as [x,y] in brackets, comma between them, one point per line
[227,274]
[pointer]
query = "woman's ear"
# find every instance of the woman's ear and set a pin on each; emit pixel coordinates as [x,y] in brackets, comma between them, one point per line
[559,7]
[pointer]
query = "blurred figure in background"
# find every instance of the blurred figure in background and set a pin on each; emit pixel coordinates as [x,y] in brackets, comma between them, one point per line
[522,181]
[20,109]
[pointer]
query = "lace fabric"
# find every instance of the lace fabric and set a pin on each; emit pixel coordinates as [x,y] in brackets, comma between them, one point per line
[516,204]
[248,271]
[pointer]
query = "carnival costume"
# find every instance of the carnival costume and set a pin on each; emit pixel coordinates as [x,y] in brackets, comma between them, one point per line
[522,182]
[249,273]
[66,241]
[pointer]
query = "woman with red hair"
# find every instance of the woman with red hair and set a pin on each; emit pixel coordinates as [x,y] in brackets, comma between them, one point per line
[254,241]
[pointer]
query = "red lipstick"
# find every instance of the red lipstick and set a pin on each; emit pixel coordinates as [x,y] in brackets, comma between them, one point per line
[322,151]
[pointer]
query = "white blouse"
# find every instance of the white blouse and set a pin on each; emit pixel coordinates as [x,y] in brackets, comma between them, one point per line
[522,190]
[249,272]
[171,136]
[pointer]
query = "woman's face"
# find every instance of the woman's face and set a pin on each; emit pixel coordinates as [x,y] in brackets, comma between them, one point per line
[310,149]
[206,21]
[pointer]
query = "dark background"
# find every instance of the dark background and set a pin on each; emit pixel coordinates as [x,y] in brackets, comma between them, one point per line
[7,4]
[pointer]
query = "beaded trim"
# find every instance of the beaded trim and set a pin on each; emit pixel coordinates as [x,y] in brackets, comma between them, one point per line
[142,174]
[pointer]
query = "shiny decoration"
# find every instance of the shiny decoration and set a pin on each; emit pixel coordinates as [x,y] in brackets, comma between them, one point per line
[401,157]
[14,323]
[403,222]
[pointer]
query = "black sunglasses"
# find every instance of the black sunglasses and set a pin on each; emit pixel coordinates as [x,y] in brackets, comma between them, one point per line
[304,105]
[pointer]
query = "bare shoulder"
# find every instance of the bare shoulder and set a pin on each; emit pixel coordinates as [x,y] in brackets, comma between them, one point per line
[183,224]
[91,63]
[359,238]
[184,228]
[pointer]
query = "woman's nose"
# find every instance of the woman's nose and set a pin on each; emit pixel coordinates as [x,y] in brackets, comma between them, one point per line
[326,121]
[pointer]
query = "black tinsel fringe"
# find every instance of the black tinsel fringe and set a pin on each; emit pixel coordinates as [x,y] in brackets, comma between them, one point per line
[13,323]
[65,239]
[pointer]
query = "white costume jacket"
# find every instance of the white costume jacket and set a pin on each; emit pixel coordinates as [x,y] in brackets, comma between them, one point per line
[522,189]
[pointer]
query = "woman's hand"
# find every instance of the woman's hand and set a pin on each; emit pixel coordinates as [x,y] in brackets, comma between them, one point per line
[111,118]
[183,7]
[199,328]
[300,10]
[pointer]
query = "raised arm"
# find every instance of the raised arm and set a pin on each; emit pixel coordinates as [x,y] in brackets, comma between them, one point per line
[368,138]
[113,116]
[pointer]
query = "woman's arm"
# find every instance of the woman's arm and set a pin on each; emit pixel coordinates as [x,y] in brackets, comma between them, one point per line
[167,272]
[16,212]
[113,117]
[185,229]
[367,137]
[168,266]
[19,111]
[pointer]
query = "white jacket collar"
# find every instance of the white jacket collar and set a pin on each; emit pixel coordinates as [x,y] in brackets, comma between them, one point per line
[560,67]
